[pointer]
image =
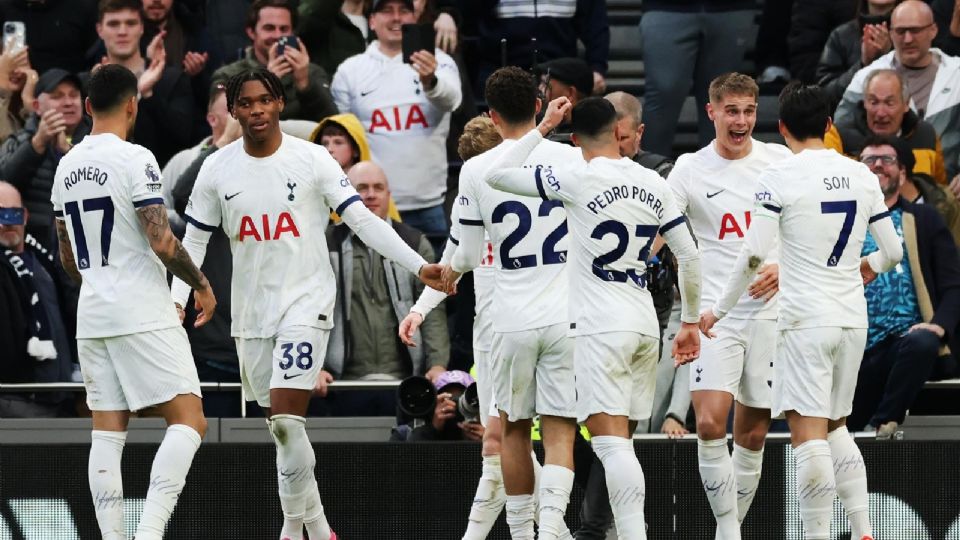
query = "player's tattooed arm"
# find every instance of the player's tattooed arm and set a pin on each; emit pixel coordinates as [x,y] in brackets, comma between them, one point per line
[153,219]
[66,252]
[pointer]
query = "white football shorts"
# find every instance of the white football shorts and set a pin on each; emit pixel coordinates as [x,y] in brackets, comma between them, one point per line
[293,359]
[533,373]
[815,371]
[488,405]
[739,360]
[136,371]
[616,374]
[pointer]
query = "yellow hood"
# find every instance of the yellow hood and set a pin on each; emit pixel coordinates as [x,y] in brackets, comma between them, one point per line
[353,126]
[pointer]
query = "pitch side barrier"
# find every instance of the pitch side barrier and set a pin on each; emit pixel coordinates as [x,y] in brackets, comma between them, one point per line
[424,490]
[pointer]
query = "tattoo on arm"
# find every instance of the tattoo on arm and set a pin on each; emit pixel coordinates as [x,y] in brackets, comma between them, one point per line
[66,252]
[153,219]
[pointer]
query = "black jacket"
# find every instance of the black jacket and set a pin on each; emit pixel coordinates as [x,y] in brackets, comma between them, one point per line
[810,25]
[840,61]
[33,174]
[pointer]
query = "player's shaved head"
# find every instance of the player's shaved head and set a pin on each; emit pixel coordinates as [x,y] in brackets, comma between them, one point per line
[370,181]
[593,119]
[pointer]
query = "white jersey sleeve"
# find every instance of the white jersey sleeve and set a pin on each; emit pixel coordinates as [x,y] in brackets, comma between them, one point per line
[203,208]
[145,188]
[675,232]
[890,250]
[470,221]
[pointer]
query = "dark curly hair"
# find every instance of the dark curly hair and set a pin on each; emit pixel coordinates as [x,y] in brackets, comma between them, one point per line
[270,81]
[512,93]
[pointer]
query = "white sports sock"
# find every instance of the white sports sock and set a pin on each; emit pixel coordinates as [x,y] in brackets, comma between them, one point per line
[167,478]
[488,501]
[746,466]
[720,485]
[816,488]
[851,477]
[537,471]
[520,510]
[295,463]
[625,484]
[313,518]
[106,483]
[555,485]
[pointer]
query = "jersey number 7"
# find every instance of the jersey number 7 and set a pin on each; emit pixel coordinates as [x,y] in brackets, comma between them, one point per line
[849,209]
[102,204]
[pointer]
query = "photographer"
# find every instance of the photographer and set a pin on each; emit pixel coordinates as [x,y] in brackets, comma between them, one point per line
[452,419]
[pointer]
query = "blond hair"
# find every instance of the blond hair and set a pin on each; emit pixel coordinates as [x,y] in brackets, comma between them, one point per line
[733,84]
[479,135]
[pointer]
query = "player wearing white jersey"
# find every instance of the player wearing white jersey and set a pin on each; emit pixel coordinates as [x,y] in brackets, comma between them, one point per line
[272,195]
[821,204]
[615,209]
[116,241]
[714,188]
[531,355]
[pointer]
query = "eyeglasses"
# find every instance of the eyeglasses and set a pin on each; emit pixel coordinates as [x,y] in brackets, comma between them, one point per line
[913,30]
[886,160]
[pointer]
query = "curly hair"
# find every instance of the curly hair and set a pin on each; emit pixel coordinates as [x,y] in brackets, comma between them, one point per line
[512,93]
[479,135]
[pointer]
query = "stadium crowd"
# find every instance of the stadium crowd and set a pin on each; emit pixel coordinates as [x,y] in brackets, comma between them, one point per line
[400,131]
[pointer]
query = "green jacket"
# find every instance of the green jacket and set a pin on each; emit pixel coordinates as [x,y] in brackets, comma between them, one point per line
[314,104]
[328,34]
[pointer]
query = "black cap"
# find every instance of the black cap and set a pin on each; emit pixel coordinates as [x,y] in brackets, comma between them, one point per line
[572,71]
[377,4]
[53,77]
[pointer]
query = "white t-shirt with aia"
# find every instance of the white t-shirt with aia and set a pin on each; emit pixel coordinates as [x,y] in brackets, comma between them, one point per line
[97,189]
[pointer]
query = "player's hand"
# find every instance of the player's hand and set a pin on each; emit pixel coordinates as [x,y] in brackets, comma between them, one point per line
[767,283]
[673,429]
[935,328]
[323,383]
[686,346]
[432,276]
[425,64]
[51,124]
[277,63]
[445,410]
[866,272]
[408,327]
[473,431]
[446,29]
[434,372]
[450,277]
[556,112]
[299,62]
[206,304]
[707,321]
[154,72]
[955,183]
[194,62]
[180,312]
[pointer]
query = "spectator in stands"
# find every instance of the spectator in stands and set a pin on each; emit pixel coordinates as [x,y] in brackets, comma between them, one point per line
[226,21]
[29,158]
[947,15]
[913,310]
[185,40]
[810,26]
[405,110]
[556,27]
[165,118]
[853,45]
[374,294]
[684,43]
[59,32]
[933,78]
[444,424]
[306,86]
[33,338]
[333,30]
[342,136]
[565,77]
[771,53]
[885,110]
[18,83]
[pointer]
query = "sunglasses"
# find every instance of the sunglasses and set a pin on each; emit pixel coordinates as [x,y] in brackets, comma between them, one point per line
[12,216]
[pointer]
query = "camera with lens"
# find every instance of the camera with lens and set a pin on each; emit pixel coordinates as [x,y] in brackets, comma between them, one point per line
[417,398]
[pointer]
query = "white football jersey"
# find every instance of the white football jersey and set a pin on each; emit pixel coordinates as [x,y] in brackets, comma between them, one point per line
[483,283]
[97,189]
[825,202]
[275,211]
[716,194]
[615,209]
[529,237]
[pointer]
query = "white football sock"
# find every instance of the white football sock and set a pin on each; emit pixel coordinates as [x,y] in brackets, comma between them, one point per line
[106,483]
[816,488]
[167,478]
[537,471]
[720,485]
[313,518]
[851,477]
[520,510]
[746,466]
[295,462]
[555,485]
[625,484]
[488,501]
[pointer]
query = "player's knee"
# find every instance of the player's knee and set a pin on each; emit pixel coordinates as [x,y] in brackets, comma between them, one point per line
[491,446]
[753,438]
[200,425]
[709,428]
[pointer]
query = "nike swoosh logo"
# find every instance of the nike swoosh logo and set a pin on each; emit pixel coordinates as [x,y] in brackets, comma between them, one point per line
[287,376]
[367,93]
[712,195]
[228,197]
